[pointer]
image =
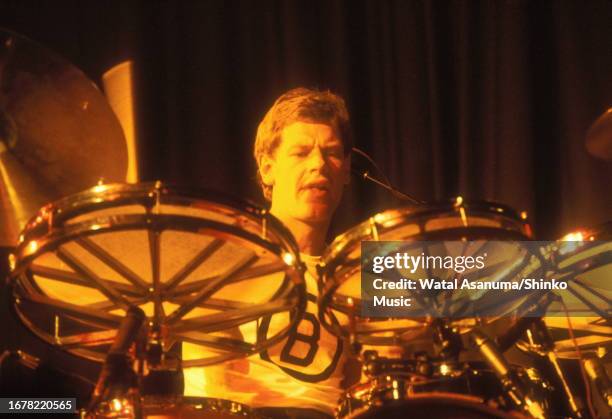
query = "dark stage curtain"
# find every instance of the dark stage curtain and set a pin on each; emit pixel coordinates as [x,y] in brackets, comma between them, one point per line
[487,99]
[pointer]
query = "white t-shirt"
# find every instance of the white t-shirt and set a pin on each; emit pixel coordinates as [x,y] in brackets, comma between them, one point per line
[305,370]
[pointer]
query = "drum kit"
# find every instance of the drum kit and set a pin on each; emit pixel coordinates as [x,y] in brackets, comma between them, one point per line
[125,275]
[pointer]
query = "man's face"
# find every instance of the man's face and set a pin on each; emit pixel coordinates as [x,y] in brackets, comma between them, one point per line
[307,173]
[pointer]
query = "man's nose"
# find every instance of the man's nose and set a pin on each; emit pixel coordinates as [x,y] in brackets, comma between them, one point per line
[316,159]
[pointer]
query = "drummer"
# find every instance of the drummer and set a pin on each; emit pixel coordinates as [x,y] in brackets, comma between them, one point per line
[302,149]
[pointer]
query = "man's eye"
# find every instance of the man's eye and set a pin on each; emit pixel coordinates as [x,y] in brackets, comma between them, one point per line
[334,152]
[299,153]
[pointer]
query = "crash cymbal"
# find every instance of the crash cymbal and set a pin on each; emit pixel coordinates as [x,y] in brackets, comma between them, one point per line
[58,135]
[599,137]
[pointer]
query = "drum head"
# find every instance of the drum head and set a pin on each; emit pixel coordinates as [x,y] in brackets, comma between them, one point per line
[203,267]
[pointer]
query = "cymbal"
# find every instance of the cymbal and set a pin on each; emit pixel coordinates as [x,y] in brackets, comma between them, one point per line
[58,135]
[599,137]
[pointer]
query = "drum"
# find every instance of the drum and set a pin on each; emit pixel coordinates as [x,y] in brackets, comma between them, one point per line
[434,405]
[157,407]
[340,302]
[583,259]
[202,266]
[458,391]
[577,323]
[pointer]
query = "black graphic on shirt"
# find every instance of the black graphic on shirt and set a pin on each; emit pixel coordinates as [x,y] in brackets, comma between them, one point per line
[311,340]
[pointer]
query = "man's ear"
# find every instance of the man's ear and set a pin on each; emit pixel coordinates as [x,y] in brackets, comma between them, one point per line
[346,170]
[266,170]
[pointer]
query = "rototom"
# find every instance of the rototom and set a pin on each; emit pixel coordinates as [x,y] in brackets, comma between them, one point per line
[340,278]
[187,258]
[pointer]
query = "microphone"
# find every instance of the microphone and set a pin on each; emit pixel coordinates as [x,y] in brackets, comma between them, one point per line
[514,387]
[386,183]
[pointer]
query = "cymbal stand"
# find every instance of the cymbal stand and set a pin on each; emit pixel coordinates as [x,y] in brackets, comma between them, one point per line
[116,394]
[596,372]
[541,343]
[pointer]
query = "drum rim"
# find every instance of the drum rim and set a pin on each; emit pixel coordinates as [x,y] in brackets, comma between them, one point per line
[121,194]
[591,237]
[405,213]
[126,222]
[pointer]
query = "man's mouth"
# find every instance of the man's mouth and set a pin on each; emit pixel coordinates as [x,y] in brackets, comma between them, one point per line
[317,188]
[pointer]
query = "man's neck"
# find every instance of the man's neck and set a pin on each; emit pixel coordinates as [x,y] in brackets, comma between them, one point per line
[310,237]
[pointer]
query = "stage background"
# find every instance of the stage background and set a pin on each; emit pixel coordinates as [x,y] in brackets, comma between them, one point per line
[487,99]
